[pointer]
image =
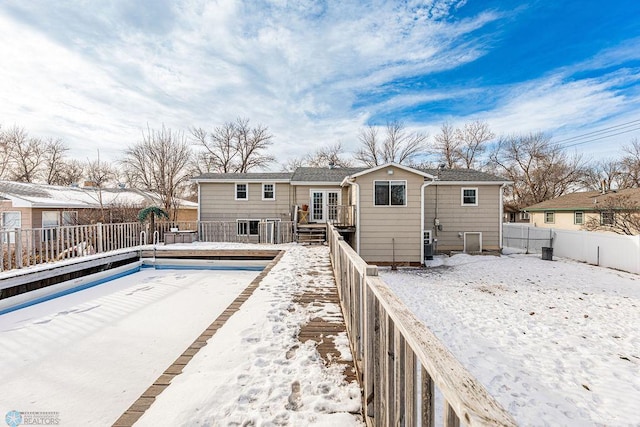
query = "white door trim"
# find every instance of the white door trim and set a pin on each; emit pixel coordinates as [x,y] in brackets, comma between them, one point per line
[479,233]
[325,197]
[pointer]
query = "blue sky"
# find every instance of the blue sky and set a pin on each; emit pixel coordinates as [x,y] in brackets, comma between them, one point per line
[316,72]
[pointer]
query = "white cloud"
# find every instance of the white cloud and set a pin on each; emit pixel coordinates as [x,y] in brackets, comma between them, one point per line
[96,75]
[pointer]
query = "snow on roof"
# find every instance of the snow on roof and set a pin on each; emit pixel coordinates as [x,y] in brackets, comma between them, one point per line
[55,196]
[589,200]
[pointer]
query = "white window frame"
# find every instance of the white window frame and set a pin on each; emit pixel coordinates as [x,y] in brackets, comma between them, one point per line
[390,181]
[4,227]
[273,185]
[462,190]
[11,236]
[524,216]
[611,222]
[50,234]
[74,215]
[246,190]
[553,217]
[575,218]
[247,223]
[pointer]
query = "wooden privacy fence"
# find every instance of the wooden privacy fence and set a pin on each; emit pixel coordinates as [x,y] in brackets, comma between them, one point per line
[246,231]
[399,360]
[26,247]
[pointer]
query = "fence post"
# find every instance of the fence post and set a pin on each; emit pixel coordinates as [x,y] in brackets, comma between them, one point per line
[18,240]
[99,236]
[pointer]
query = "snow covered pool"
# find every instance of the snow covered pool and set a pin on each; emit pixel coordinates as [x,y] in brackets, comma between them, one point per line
[88,355]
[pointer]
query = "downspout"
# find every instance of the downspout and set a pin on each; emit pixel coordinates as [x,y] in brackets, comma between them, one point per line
[199,201]
[351,182]
[501,216]
[425,185]
[358,224]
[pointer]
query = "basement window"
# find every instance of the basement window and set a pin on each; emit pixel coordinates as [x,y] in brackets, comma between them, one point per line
[248,227]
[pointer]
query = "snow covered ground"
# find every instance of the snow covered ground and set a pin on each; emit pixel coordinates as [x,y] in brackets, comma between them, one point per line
[90,354]
[557,343]
[254,371]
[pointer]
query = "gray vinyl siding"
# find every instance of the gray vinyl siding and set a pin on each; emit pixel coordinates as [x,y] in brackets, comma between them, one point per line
[302,193]
[455,218]
[218,203]
[380,226]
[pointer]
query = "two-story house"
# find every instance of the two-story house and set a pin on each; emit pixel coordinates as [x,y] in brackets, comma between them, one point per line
[386,212]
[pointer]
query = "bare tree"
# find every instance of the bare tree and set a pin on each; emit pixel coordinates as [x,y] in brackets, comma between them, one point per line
[370,152]
[630,163]
[99,174]
[53,161]
[5,154]
[617,213]
[219,148]
[328,156]
[159,163]
[472,141]
[398,145]
[25,155]
[292,164]
[446,146]
[71,172]
[251,144]
[234,147]
[603,175]
[539,169]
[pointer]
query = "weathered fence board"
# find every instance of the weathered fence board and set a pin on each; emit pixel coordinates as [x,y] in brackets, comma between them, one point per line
[394,344]
[27,247]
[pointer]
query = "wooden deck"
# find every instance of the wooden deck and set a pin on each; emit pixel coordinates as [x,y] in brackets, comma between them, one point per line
[320,330]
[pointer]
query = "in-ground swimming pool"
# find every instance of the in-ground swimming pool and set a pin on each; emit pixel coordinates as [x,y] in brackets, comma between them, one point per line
[87,355]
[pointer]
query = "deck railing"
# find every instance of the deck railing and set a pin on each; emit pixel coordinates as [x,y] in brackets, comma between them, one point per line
[26,247]
[399,360]
[342,215]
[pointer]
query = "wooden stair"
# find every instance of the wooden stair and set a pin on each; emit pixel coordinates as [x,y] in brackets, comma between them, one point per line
[311,234]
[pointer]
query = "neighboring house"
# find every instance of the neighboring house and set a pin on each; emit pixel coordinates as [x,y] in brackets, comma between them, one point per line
[27,205]
[576,210]
[515,215]
[386,212]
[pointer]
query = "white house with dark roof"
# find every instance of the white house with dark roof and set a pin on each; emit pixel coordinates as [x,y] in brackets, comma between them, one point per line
[29,205]
[386,212]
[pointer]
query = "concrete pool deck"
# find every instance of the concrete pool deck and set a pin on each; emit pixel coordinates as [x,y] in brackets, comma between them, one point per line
[315,296]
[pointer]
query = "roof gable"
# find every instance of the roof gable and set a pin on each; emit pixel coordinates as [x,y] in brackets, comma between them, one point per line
[395,165]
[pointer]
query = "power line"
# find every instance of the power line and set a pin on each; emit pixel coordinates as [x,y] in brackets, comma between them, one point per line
[602,137]
[608,132]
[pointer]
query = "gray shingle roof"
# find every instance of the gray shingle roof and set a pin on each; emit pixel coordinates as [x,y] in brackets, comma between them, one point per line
[463,175]
[245,176]
[310,174]
[306,174]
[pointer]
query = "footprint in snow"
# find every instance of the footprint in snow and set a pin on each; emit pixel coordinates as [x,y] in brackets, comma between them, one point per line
[144,288]
[294,402]
[64,313]
[243,380]
[88,309]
